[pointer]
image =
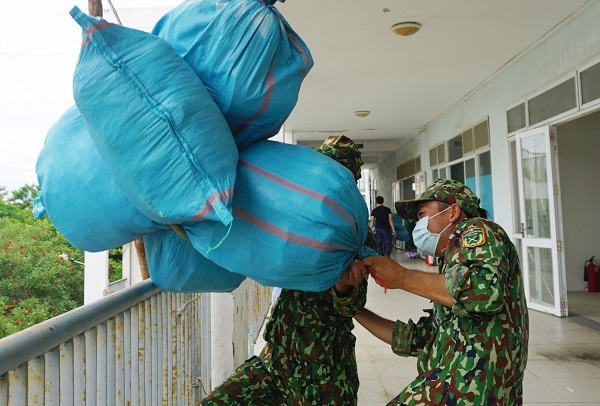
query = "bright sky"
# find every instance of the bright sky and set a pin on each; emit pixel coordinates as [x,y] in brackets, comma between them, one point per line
[39,47]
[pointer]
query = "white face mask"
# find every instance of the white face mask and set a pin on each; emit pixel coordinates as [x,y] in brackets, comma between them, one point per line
[425,240]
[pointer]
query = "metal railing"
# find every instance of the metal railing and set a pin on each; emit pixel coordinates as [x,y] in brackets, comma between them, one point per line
[139,346]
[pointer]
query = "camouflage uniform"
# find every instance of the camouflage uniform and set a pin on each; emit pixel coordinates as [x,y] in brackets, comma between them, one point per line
[344,151]
[309,356]
[475,352]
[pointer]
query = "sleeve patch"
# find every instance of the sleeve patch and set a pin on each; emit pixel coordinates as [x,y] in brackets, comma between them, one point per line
[473,237]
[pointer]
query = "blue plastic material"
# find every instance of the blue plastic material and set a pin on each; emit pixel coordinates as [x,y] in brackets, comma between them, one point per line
[175,266]
[163,139]
[247,55]
[299,219]
[402,233]
[77,193]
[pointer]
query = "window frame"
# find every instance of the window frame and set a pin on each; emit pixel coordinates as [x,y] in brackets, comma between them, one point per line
[589,105]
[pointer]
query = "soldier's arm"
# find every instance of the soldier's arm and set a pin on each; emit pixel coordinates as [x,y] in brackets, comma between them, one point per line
[428,285]
[350,292]
[353,303]
[378,326]
[406,339]
[475,276]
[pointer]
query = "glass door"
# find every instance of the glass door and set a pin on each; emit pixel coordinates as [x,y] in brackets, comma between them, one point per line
[536,230]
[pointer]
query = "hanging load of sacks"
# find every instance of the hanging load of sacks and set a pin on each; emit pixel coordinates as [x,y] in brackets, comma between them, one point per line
[156,132]
[247,56]
[299,219]
[78,194]
[164,141]
[176,266]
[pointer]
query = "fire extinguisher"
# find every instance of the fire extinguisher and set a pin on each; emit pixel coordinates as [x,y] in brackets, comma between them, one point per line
[591,271]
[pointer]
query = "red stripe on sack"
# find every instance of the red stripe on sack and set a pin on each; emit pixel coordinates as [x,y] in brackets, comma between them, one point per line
[266,102]
[294,40]
[285,235]
[92,29]
[211,201]
[300,189]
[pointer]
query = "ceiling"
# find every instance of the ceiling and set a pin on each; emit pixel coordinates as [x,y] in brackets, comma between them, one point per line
[405,82]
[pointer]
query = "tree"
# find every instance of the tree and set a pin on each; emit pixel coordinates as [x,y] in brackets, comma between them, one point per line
[23,197]
[3,192]
[36,281]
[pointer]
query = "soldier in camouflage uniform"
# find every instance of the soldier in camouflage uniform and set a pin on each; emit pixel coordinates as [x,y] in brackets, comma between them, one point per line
[472,347]
[309,356]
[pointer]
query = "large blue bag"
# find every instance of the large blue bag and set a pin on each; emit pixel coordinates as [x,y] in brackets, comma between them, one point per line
[402,233]
[163,139]
[299,219]
[77,193]
[175,266]
[248,57]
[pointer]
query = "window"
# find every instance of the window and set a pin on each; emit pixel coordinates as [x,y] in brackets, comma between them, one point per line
[485,183]
[590,84]
[408,168]
[457,172]
[470,163]
[468,142]
[455,148]
[552,102]
[515,118]
[481,134]
[408,191]
[470,175]
[433,156]
[441,155]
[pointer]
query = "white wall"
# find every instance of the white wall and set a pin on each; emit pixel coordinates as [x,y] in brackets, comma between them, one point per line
[385,172]
[579,164]
[573,44]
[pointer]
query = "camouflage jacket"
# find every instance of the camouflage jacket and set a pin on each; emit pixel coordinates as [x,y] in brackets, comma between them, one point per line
[309,334]
[474,352]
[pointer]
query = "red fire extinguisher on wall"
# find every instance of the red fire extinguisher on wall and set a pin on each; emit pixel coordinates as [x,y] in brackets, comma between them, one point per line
[591,273]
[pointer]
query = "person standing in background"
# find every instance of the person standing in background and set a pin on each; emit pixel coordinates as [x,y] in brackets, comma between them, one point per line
[384,227]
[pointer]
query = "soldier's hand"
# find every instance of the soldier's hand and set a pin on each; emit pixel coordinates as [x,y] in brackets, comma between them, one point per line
[352,276]
[387,271]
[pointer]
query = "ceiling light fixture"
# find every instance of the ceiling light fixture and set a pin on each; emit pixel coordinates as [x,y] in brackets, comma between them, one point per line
[362,113]
[406,28]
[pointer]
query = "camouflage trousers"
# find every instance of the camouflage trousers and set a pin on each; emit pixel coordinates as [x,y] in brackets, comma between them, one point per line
[253,384]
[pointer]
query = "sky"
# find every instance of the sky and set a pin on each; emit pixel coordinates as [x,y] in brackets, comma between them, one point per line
[39,47]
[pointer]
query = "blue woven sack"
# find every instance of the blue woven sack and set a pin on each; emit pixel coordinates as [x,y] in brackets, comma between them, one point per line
[77,193]
[250,59]
[175,266]
[299,219]
[163,139]
[402,233]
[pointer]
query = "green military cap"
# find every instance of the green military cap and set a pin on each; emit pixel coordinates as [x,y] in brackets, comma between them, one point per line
[443,190]
[343,150]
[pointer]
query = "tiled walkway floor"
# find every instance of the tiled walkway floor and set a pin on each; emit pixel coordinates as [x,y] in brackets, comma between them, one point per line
[563,366]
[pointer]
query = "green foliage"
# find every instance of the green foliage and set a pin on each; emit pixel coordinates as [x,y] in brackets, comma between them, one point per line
[115,264]
[36,281]
[23,197]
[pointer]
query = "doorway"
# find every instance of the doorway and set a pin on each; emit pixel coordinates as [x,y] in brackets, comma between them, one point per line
[578,143]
